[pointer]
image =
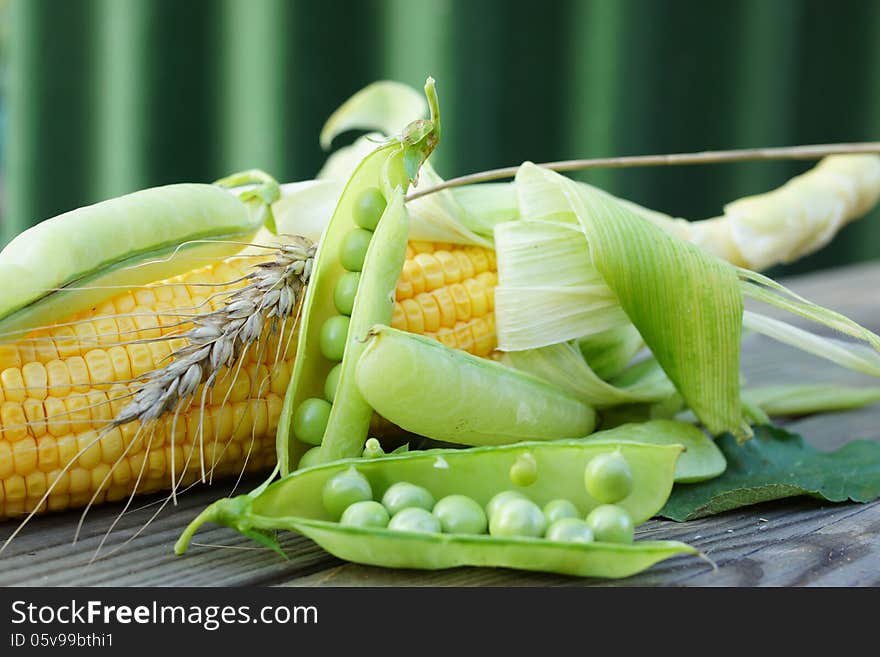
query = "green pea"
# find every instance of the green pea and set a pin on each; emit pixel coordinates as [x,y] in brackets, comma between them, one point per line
[310,420]
[517,517]
[353,249]
[608,477]
[558,509]
[334,333]
[415,519]
[343,490]
[345,291]
[368,208]
[373,449]
[500,499]
[524,471]
[332,382]
[368,513]
[460,514]
[570,530]
[309,458]
[404,495]
[611,524]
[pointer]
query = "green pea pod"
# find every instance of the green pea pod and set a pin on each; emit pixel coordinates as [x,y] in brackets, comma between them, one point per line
[390,168]
[701,459]
[294,503]
[382,547]
[446,394]
[80,258]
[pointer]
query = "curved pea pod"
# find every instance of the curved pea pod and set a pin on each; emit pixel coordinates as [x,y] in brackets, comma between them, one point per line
[434,552]
[429,389]
[80,258]
[388,170]
[294,503]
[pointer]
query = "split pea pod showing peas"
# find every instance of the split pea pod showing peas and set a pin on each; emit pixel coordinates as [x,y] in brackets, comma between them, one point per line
[76,260]
[295,503]
[357,266]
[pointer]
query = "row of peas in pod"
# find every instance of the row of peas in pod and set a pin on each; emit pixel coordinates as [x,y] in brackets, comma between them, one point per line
[408,507]
[564,506]
[311,416]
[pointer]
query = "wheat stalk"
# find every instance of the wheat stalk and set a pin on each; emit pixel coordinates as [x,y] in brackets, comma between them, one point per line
[271,295]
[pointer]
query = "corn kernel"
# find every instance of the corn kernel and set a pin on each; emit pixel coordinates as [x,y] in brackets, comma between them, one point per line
[35,379]
[100,368]
[13,384]
[13,422]
[24,456]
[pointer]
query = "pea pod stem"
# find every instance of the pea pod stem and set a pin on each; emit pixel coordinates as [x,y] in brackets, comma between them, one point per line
[264,192]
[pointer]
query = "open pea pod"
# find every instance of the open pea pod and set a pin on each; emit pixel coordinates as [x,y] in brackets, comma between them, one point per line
[358,263]
[78,259]
[295,503]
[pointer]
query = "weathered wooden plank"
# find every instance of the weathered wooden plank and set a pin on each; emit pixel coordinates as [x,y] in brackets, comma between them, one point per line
[43,554]
[792,542]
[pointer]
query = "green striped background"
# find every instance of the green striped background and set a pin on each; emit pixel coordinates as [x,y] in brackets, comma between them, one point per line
[101,97]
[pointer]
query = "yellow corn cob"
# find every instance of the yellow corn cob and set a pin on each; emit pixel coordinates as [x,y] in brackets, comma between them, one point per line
[447,292]
[59,387]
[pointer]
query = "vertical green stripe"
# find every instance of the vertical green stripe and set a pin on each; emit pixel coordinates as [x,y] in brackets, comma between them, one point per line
[252,89]
[119,62]
[418,37]
[478,61]
[331,51]
[596,36]
[51,110]
[867,247]
[531,68]
[20,158]
[765,86]
[182,79]
[639,119]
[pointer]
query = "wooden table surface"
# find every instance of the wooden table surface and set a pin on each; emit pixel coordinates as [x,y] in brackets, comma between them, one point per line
[792,542]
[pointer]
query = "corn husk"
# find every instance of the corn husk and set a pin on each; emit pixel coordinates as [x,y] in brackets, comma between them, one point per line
[602,266]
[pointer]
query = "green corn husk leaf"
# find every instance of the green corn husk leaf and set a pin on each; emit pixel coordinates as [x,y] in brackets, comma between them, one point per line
[563,366]
[853,356]
[608,353]
[686,304]
[460,216]
[764,289]
[549,293]
[341,163]
[304,209]
[384,106]
[488,205]
[805,399]
[439,217]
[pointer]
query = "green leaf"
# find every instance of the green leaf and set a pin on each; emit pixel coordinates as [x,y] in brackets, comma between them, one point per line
[776,464]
